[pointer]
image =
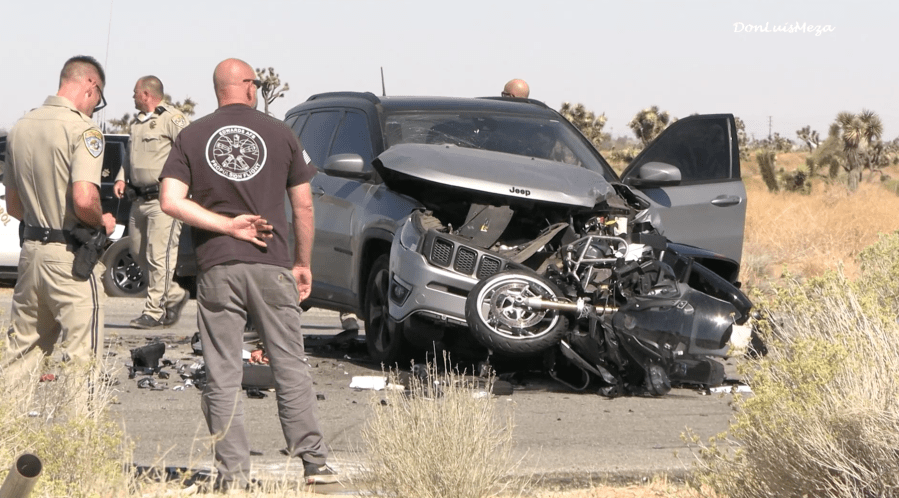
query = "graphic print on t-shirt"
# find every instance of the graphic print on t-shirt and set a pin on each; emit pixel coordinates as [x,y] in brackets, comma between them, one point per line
[236,153]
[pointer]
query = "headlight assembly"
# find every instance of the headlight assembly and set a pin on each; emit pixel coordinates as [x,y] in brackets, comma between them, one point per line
[410,235]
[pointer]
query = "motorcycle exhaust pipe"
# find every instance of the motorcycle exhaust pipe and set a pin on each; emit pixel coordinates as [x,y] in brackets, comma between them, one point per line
[579,308]
[22,477]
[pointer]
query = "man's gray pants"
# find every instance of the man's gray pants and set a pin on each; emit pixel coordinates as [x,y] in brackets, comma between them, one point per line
[226,295]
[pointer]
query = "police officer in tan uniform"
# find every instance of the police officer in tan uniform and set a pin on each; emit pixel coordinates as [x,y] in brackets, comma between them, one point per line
[52,178]
[154,235]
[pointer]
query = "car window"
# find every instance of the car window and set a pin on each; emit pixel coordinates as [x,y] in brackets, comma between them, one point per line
[113,157]
[529,136]
[297,121]
[353,137]
[700,149]
[317,133]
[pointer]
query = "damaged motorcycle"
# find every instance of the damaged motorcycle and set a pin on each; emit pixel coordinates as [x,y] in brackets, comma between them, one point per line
[608,301]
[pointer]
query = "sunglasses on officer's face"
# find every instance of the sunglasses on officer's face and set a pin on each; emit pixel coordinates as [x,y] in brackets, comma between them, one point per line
[102,103]
[258,83]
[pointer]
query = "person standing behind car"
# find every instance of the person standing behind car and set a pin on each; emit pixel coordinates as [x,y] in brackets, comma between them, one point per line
[54,159]
[516,88]
[237,163]
[153,234]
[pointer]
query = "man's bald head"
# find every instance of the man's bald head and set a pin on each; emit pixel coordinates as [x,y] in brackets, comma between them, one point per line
[233,83]
[148,93]
[152,85]
[516,88]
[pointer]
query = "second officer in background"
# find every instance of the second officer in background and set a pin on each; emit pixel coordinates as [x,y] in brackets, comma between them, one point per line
[154,234]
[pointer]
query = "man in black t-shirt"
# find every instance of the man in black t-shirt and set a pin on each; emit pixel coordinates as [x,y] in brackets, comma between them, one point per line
[237,163]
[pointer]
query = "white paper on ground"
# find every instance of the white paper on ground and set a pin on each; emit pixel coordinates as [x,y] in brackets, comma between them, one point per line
[369,382]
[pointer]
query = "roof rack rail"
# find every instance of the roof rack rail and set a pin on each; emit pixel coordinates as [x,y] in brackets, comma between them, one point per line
[362,95]
[516,99]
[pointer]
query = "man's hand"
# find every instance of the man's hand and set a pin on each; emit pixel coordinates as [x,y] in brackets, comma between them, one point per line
[303,276]
[109,223]
[251,228]
[119,189]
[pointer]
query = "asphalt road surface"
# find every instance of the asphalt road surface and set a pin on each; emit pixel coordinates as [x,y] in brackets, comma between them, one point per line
[559,434]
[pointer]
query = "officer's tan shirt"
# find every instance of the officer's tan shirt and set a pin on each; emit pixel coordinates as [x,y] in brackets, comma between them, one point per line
[151,140]
[48,150]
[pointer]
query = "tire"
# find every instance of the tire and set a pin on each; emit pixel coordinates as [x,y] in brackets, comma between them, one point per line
[508,328]
[122,277]
[383,336]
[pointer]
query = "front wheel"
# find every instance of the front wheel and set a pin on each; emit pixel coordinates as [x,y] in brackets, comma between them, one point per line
[383,336]
[500,321]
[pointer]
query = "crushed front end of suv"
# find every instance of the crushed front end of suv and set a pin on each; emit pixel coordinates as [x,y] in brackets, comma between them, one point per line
[525,246]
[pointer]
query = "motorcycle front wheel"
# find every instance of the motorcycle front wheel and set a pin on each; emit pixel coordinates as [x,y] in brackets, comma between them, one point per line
[500,320]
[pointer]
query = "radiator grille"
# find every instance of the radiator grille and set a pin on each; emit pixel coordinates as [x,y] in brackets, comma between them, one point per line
[465,261]
[441,252]
[489,266]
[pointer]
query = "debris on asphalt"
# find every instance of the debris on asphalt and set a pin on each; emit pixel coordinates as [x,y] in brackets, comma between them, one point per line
[373,382]
[736,388]
[147,357]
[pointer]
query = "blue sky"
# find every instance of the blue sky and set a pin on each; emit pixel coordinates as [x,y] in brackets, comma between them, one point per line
[614,57]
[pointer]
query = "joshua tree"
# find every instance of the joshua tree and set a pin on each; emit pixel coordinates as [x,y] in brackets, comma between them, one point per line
[859,132]
[123,124]
[742,139]
[186,107]
[271,86]
[648,123]
[586,121]
[810,137]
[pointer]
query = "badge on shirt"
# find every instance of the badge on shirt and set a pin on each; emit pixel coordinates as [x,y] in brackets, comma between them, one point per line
[179,121]
[93,140]
[152,124]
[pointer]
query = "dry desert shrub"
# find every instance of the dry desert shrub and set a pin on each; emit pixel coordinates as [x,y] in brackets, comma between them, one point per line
[823,419]
[444,436]
[82,451]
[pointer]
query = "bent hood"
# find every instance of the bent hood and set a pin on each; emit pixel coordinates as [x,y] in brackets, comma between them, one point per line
[404,166]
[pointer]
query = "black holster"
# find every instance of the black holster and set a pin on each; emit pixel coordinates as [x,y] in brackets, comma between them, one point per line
[88,244]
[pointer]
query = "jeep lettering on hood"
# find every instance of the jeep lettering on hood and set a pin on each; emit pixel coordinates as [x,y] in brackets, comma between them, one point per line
[414,169]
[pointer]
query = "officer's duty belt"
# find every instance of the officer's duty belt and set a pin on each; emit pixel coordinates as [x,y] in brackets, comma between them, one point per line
[45,235]
[148,193]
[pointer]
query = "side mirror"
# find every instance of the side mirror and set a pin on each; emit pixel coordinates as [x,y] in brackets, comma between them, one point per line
[655,174]
[347,166]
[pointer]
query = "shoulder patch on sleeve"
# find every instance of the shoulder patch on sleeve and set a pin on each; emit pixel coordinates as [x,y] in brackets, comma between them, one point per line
[179,121]
[93,140]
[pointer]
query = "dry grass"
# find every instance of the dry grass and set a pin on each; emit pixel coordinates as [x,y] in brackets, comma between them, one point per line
[81,449]
[824,417]
[808,234]
[655,488]
[444,436]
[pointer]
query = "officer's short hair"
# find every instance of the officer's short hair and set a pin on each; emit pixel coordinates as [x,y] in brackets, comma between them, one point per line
[153,85]
[74,69]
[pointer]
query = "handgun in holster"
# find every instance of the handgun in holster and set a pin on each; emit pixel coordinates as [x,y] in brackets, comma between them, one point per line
[89,244]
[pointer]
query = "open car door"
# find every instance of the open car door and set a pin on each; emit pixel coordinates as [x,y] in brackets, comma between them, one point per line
[691,172]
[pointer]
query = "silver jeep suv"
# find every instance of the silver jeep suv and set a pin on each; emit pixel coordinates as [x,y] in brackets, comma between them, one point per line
[419,198]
